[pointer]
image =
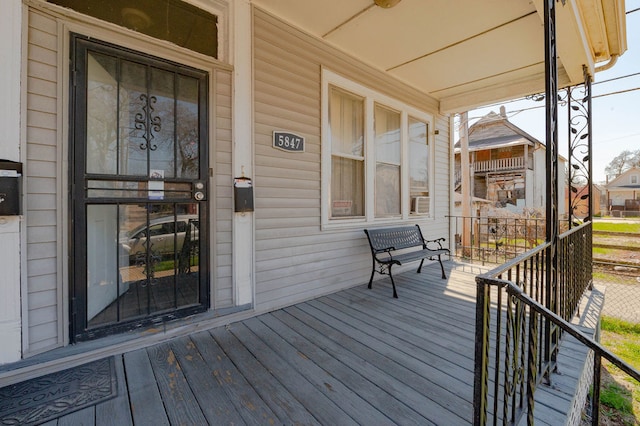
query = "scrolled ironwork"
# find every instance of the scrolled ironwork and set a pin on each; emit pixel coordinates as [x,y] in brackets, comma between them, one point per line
[147,122]
[580,179]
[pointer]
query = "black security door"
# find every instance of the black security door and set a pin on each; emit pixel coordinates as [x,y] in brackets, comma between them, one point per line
[138,189]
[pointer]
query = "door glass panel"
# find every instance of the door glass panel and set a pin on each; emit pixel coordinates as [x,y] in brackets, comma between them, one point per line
[133,119]
[103,281]
[161,130]
[102,118]
[142,259]
[187,131]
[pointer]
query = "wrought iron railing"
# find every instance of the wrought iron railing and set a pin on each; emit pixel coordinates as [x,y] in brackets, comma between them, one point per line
[495,239]
[517,336]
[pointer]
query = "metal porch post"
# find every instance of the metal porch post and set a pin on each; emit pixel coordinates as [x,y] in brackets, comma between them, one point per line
[551,259]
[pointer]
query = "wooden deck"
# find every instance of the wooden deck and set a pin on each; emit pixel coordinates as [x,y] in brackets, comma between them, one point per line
[354,357]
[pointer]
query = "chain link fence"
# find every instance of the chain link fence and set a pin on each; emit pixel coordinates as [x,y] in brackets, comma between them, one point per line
[622,294]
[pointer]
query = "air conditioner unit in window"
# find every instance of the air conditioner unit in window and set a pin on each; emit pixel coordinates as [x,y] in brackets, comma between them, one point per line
[420,205]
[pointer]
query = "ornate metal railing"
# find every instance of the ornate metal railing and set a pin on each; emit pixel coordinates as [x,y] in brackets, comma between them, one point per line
[516,347]
[495,239]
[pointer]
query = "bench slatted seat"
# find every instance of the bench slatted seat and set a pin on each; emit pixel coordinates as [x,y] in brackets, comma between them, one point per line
[400,245]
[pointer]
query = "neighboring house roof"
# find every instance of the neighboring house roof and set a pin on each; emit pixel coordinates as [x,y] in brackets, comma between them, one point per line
[623,180]
[496,131]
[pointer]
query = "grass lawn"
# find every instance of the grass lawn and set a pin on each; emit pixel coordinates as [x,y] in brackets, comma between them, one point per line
[632,228]
[620,394]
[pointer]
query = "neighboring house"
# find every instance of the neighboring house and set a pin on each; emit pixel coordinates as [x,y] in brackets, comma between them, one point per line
[623,193]
[507,165]
[277,129]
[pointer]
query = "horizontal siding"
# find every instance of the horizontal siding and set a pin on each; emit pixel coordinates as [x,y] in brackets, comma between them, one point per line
[42,183]
[439,227]
[295,259]
[223,285]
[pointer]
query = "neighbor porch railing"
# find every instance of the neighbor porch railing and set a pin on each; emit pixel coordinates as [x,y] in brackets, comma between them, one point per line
[499,164]
[518,335]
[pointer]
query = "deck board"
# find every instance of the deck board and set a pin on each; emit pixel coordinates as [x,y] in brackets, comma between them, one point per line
[357,356]
[241,394]
[372,383]
[322,408]
[174,388]
[214,402]
[144,396]
[441,402]
[275,394]
[116,411]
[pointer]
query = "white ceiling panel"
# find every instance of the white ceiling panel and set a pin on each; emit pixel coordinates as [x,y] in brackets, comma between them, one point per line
[453,48]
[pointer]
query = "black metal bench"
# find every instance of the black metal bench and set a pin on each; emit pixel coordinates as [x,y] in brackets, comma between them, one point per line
[400,245]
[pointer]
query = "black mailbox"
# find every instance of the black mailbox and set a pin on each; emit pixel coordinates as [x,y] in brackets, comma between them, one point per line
[10,188]
[243,194]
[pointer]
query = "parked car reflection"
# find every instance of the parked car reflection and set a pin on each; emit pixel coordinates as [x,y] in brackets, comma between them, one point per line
[163,236]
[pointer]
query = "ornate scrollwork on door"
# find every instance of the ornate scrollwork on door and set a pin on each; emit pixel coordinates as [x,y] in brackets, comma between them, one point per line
[147,122]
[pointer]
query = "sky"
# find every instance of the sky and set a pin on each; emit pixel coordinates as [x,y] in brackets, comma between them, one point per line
[615,116]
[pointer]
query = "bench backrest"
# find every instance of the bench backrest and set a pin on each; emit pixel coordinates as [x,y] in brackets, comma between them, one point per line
[398,238]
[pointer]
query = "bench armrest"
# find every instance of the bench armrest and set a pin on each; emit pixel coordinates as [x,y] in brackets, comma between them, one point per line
[387,250]
[437,242]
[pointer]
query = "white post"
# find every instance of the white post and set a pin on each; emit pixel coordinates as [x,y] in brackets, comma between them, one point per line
[10,73]
[243,226]
[465,183]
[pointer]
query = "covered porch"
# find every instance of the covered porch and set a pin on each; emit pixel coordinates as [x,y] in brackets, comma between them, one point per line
[357,356]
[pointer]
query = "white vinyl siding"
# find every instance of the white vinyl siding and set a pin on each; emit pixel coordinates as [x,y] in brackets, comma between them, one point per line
[295,258]
[222,207]
[42,185]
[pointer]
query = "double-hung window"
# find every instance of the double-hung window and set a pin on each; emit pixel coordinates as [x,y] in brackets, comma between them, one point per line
[377,156]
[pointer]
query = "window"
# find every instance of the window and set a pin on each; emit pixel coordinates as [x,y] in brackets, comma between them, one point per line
[634,179]
[376,157]
[419,166]
[189,26]
[346,123]
[387,145]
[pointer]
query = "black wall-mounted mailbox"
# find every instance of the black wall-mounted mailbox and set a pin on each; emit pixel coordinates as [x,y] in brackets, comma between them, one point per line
[10,188]
[243,194]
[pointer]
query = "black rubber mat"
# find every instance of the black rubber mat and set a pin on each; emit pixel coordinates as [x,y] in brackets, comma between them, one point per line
[48,397]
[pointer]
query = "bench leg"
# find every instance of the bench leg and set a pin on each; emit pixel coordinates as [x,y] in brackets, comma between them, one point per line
[420,267]
[393,283]
[373,271]
[444,276]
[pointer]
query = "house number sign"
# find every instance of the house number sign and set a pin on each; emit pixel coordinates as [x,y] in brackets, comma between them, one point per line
[287,141]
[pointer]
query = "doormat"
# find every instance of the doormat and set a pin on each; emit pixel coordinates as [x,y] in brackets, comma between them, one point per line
[48,397]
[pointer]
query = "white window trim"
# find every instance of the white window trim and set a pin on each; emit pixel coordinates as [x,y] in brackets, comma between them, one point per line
[371,97]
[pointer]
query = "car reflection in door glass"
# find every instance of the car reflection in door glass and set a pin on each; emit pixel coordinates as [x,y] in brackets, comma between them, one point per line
[160,235]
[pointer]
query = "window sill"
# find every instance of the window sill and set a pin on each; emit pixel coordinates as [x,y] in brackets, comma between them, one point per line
[360,223]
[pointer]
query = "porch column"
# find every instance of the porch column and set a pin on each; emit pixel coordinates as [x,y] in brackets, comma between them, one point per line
[551,101]
[243,223]
[10,235]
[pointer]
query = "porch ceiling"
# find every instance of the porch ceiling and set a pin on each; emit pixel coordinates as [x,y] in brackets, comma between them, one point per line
[465,53]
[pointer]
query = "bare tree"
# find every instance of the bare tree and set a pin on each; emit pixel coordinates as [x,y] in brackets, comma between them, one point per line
[623,162]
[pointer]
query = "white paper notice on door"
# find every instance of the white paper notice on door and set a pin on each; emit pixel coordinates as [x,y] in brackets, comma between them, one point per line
[156,184]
